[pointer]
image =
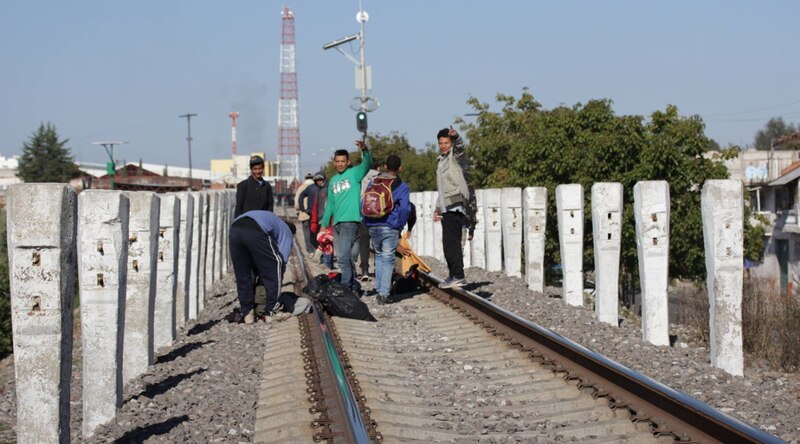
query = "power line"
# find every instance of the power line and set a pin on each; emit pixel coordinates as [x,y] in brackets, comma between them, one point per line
[734,113]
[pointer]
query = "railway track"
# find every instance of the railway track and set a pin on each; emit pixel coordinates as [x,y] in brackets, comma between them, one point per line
[448,366]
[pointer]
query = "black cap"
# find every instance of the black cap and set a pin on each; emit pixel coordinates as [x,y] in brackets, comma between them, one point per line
[309,175]
[256,160]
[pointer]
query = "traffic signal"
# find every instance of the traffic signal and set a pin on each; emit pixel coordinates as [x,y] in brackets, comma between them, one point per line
[361,121]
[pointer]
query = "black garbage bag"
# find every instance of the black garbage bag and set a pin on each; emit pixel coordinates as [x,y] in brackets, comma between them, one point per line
[337,300]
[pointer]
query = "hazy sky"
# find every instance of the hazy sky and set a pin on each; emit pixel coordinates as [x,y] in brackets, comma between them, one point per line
[104,70]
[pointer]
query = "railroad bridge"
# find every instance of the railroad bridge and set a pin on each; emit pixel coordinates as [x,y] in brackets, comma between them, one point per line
[146,264]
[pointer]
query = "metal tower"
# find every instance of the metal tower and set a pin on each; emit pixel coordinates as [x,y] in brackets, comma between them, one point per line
[288,127]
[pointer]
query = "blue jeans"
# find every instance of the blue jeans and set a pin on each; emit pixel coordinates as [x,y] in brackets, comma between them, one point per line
[384,242]
[345,246]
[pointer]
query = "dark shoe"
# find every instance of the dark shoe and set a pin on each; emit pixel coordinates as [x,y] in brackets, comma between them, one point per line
[382,300]
[452,282]
[276,309]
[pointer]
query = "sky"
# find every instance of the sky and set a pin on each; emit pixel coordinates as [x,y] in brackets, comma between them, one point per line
[110,70]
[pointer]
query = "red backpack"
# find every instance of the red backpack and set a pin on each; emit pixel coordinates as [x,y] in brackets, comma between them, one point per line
[377,201]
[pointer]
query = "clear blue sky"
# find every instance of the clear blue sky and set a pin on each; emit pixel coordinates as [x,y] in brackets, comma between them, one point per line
[125,70]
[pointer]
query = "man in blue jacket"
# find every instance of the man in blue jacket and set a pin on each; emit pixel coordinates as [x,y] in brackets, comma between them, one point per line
[260,241]
[385,231]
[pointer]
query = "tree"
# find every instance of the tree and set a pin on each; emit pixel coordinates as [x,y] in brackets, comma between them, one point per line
[45,158]
[774,129]
[525,145]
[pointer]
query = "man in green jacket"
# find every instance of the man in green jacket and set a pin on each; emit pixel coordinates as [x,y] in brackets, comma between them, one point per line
[344,206]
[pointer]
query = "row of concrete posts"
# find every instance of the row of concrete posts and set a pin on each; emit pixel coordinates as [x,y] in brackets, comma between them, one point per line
[145,265]
[512,222]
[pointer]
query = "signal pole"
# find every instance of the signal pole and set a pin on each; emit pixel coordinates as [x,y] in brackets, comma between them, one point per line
[188,117]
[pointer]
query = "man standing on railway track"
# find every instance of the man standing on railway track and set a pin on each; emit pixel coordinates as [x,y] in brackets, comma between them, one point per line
[344,205]
[385,231]
[453,206]
[260,241]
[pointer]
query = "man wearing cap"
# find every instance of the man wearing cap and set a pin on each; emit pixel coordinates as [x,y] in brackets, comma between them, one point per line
[344,206]
[302,215]
[254,193]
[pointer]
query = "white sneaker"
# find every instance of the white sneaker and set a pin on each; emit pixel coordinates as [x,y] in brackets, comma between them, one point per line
[250,317]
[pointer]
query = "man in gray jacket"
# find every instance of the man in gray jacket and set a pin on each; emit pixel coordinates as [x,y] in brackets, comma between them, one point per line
[453,203]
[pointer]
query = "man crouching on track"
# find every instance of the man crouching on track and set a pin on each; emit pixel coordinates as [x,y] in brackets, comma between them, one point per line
[260,241]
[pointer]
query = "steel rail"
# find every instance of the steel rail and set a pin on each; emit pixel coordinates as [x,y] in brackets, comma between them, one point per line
[346,423]
[669,411]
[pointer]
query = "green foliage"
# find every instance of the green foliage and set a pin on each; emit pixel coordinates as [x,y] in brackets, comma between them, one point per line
[45,158]
[774,129]
[418,169]
[5,293]
[525,145]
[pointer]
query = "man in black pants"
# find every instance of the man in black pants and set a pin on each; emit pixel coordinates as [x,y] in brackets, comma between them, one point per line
[453,203]
[254,193]
[260,241]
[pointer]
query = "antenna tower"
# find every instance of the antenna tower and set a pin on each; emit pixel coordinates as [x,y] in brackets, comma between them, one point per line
[288,127]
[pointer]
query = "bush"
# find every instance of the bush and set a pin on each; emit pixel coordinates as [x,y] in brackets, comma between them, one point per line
[770,323]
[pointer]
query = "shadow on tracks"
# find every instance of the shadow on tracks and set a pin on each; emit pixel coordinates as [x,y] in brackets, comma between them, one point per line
[199,328]
[181,351]
[473,286]
[158,388]
[140,434]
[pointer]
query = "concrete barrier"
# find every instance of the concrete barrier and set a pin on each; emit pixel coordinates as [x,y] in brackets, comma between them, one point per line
[512,218]
[167,270]
[42,269]
[211,245]
[607,233]
[186,229]
[569,207]
[492,214]
[534,209]
[196,258]
[102,280]
[427,224]
[723,229]
[202,284]
[478,243]
[651,211]
[138,347]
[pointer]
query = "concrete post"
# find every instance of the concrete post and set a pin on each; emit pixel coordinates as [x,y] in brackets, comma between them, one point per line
[167,275]
[427,223]
[196,257]
[222,213]
[184,273]
[204,256]
[534,207]
[211,246]
[417,232]
[478,245]
[511,216]
[141,293]
[102,279]
[607,230]
[723,231]
[569,208]
[651,210]
[494,229]
[466,248]
[438,250]
[225,225]
[42,260]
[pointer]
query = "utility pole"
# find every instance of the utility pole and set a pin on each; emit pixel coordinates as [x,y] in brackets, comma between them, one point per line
[188,117]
